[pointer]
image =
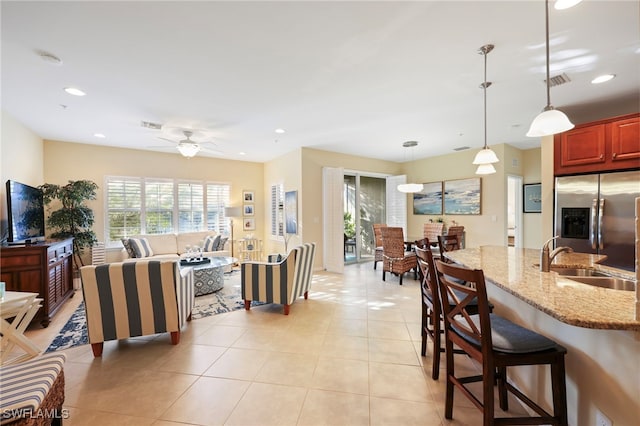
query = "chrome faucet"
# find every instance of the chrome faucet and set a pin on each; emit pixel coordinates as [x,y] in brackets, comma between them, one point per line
[546,258]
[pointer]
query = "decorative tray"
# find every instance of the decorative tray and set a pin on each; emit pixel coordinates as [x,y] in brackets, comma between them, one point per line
[194,262]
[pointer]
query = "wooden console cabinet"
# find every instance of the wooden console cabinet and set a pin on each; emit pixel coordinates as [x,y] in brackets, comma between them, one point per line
[605,145]
[43,268]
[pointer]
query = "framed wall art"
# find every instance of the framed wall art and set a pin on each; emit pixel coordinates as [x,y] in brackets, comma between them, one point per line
[248,196]
[462,196]
[429,200]
[291,212]
[248,210]
[532,198]
[248,224]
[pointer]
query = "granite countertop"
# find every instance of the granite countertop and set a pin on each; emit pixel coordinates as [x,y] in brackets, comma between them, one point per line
[517,271]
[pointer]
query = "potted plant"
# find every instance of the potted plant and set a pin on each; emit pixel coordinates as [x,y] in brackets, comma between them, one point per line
[73,218]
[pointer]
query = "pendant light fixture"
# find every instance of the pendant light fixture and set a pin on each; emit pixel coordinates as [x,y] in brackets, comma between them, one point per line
[410,187]
[485,157]
[550,121]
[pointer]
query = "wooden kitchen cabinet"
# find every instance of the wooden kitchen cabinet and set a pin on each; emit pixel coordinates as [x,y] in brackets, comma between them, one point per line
[44,268]
[605,145]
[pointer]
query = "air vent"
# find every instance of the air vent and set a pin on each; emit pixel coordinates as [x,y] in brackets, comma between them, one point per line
[150,125]
[558,80]
[461,148]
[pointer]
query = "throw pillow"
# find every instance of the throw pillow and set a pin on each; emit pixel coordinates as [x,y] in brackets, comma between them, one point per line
[223,241]
[128,248]
[141,247]
[211,243]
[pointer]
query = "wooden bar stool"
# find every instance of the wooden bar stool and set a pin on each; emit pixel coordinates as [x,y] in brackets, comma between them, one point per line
[496,343]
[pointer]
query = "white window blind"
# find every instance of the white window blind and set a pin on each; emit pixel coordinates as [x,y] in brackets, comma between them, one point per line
[124,208]
[217,199]
[396,203]
[190,206]
[159,202]
[138,205]
[277,210]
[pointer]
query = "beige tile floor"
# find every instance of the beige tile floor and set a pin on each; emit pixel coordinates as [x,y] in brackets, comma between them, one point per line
[349,355]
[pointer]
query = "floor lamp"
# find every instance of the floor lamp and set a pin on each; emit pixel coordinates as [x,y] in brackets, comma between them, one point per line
[232,212]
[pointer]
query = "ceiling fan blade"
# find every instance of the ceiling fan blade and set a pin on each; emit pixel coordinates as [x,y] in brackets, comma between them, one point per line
[168,140]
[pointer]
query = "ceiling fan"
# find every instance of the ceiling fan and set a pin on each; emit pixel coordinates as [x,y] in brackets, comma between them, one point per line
[188,147]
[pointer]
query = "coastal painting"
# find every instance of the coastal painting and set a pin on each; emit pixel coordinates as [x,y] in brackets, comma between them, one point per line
[462,196]
[429,200]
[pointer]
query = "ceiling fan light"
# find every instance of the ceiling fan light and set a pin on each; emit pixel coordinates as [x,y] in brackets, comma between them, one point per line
[485,169]
[485,156]
[188,149]
[549,122]
[410,187]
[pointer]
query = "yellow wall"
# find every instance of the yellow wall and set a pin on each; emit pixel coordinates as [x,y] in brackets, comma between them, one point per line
[487,228]
[285,170]
[72,161]
[21,159]
[313,160]
[532,222]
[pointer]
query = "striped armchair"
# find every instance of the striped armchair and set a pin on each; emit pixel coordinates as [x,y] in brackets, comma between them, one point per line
[281,282]
[130,299]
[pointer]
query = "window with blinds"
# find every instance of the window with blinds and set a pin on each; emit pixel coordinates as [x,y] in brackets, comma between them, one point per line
[217,199]
[124,208]
[190,207]
[277,210]
[159,206]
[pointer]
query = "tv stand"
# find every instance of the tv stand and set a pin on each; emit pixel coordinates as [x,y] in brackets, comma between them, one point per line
[43,268]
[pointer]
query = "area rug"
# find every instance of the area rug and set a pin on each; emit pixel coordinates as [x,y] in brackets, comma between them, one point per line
[74,332]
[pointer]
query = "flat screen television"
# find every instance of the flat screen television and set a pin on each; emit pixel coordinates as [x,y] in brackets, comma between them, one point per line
[26,213]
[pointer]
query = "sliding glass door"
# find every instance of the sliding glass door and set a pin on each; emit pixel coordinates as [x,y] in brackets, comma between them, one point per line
[364,205]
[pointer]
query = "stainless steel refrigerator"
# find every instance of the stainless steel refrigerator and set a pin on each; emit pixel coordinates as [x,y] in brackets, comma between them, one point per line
[595,214]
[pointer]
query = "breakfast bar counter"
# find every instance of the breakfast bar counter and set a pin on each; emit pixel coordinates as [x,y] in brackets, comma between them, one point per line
[517,271]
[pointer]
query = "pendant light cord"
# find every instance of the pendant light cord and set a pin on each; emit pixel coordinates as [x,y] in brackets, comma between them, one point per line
[546,10]
[484,90]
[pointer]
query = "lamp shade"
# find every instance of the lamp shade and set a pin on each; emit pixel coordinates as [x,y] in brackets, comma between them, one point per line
[188,149]
[232,211]
[549,122]
[485,169]
[485,156]
[410,187]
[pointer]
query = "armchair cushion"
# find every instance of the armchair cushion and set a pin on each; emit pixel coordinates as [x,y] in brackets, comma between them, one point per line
[281,282]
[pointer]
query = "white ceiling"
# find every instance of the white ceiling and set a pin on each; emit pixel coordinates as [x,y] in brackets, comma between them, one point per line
[353,77]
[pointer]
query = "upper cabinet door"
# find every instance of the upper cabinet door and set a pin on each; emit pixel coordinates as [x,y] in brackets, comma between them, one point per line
[605,145]
[625,140]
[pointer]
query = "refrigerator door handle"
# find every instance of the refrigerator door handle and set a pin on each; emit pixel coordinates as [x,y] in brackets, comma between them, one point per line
[600,220]
[592,236]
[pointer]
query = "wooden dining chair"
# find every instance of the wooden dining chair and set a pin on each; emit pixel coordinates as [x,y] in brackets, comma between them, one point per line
[447,243]
[395,259]
[432,307]
[496,344]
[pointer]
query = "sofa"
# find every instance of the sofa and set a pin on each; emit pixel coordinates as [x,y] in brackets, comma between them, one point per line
[172,246]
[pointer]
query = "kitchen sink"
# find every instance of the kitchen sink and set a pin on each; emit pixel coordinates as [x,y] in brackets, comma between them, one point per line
[613,283]
[578,272]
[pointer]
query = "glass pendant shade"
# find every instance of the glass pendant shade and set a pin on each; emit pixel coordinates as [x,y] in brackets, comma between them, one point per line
[410,187]
[485,169]
[485,156]
[188,149]
[549,122]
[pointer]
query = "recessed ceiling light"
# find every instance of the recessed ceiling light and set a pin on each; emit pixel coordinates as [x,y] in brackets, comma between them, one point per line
[602,78]
[279,130]
[565,4]
[99,135]
[242,153]
[73,91]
